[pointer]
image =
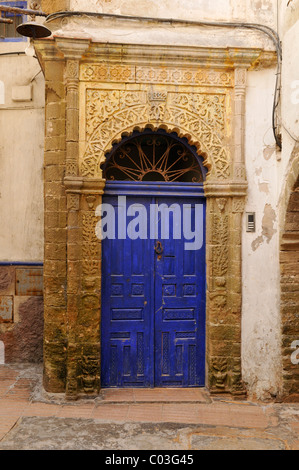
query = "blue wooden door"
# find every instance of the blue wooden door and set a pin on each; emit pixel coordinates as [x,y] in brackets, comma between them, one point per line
[127,305]
[179,310]
[153,305]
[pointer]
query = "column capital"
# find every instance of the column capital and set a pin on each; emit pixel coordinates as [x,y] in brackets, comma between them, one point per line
[216,189]
[72,49]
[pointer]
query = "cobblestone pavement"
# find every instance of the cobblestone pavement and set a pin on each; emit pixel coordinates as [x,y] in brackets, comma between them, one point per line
[168,419]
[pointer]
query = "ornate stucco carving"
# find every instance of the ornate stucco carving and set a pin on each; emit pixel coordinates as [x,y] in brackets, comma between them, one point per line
[160,75]
[199,116]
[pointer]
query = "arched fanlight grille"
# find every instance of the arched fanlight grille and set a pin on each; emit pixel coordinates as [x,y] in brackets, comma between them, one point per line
[153,157]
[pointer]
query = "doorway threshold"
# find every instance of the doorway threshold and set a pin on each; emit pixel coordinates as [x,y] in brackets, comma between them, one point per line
[154,395]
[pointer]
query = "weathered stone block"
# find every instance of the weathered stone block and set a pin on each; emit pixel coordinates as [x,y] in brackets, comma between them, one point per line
[55,111]
[55,300]
[54,173]
[56,127]
[54,157]
[51,6]
[54,143]
[7,280]
[54,251]
[6,308]
[225,332]
[55,268]
[220,348]
[53,235]
[29,281]
[55,91]
[55,354]
[54,71]
[54,284]
[74,252]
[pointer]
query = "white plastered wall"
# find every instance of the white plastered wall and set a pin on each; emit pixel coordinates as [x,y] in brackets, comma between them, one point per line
[21,156]
[261,356]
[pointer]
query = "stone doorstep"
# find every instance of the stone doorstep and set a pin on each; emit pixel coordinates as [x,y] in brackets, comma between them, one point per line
[155,395]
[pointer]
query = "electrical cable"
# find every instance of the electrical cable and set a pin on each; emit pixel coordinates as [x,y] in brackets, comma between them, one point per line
[13,53]
[271,33]
[263,28]
[296,139]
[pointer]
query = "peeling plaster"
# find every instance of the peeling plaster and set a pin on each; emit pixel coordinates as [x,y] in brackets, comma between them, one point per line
[268,230]
[264,188]
[268,223]
[268,152]
[257,243]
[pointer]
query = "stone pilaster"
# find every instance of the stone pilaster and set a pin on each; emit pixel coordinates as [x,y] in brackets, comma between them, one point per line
[55,274]
[225,205]
[89,313]
[73,184]
[73,187]
[239,124]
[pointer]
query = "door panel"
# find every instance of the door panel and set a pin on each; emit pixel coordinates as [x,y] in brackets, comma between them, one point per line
[179,310]
[153,308]
[126,310]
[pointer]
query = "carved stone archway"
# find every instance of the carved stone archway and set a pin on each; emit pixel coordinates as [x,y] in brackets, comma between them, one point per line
[204,127]
[96,94]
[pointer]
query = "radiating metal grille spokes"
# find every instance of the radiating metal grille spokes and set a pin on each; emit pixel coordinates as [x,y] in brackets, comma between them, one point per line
[153,158]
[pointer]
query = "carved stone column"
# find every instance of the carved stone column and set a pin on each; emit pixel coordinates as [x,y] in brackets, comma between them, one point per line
[239,127]
[55,221]
[73,184]
[235,288]
[89,313]
[225,204]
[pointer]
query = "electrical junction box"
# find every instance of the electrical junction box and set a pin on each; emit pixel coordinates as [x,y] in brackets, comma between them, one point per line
[250,221]
[21,93]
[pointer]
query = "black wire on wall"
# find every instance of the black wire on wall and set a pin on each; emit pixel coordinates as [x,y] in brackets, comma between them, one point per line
[271,33]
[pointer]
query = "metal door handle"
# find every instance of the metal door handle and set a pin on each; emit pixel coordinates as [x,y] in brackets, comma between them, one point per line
[159,248]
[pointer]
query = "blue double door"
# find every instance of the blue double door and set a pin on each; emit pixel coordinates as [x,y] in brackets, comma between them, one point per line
[153,295]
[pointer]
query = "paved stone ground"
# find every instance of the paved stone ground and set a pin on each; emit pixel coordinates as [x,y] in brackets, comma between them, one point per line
[123,420]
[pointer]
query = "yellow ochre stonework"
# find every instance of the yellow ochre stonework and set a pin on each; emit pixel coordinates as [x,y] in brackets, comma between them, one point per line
[95,95]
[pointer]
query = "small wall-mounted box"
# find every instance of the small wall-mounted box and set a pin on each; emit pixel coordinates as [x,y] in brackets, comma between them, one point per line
[250,221]
[21,93]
